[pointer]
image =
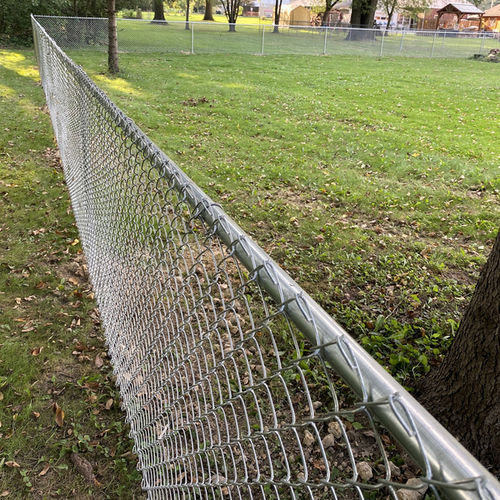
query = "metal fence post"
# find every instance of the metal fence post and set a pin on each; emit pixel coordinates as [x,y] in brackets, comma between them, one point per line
[401,42]
[262,44]
[382,44]
[192,38]
[433,43]
[326,39]
[482,43]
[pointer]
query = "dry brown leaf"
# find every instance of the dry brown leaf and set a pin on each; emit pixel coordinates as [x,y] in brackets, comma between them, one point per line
[73,281]
[5,493]
[12,463]
[98,361]
[40,285]
[1,396]
[109,404]
[44,470]
[36,351]
[59,414]
[35,414]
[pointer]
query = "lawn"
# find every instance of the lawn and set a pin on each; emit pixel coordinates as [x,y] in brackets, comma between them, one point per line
[59,409]
[255,38]
[374,183]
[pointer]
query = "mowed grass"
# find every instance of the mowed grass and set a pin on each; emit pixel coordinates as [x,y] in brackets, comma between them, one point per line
[52,349]
[374,183]
[215,38]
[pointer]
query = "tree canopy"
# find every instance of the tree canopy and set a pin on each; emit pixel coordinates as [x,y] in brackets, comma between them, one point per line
[15,24]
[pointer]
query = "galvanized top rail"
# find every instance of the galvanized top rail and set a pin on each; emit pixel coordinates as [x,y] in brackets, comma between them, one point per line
[447,466]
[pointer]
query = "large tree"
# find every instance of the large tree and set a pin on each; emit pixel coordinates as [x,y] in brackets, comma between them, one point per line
[208,11]
[159,13]
[463,393]
[362,16]
[112,39]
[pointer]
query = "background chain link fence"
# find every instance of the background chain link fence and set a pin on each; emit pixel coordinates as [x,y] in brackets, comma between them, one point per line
[236,384]
[205,37]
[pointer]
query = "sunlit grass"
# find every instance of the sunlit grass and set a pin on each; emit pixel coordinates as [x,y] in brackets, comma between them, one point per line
[17,62]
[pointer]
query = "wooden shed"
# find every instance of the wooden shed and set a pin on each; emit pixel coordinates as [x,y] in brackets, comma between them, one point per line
[491,19]
[296,14]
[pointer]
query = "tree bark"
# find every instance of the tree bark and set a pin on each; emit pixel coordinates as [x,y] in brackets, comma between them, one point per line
[158,10]
[208,11]
[112,39]
[277,15]
[463,393]
[187,15]
[362,16]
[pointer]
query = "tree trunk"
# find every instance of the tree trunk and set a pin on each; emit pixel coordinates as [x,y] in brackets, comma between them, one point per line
[208,11]
[463,393]
[363,13]
[277,15]
[389,17]
[187,15]
[158,10]
[324,17]
[112,39]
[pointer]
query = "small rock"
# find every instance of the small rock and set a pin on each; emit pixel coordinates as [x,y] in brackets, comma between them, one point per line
[418,494]
[308,439]
[395,470]
[328,440]
[364,470]
[335,429]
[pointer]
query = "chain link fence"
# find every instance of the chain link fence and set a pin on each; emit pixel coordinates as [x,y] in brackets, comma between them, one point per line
[205,37]
[235,383]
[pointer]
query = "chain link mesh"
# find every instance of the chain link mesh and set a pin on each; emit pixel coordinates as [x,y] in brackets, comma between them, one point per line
[235,383]
[205,37]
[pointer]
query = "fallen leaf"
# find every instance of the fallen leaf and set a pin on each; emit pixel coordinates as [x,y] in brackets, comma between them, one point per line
[109,404]
[35,414]
[40,285]
[98,361]
[18,300]
[59,414]
[4,493]
[36,351]
[75,242]
[44,470]
[1,396]
[73,281]
[12,463]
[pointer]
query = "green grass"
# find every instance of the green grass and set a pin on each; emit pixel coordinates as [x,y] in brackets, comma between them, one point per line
[142,36]
[374,183]
[49,330]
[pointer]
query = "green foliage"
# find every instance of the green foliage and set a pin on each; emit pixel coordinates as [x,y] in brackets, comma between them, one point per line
[15,23]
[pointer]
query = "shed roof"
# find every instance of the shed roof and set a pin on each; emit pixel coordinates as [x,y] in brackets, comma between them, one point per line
[493,12]
[461,8]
